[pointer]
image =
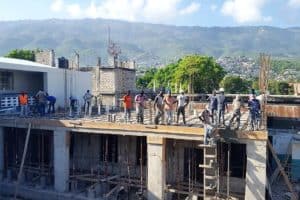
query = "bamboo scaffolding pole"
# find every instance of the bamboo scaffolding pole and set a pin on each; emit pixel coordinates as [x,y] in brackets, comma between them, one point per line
[23,160]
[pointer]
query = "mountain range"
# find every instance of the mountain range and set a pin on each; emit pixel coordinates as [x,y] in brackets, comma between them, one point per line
[148,44]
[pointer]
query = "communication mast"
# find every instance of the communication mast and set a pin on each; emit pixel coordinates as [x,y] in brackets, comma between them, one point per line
[113,51]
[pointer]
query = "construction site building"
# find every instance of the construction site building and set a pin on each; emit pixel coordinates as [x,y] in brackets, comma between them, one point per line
[102,157]
[96,158]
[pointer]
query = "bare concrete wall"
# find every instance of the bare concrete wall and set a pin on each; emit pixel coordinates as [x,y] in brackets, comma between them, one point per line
[256,177]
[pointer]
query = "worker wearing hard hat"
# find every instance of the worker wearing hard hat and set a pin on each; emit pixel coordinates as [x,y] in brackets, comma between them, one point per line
[222,105]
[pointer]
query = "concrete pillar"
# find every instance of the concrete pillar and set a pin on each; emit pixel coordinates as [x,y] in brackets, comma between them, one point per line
[1,153]
[61,160]
[156,168]
[256,178]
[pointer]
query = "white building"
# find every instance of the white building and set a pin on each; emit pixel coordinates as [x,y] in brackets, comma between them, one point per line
[20,75]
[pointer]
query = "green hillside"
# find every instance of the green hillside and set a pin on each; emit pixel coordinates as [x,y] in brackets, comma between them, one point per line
[149,44]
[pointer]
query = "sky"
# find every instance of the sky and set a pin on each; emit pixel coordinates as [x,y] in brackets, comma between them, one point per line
[208,13]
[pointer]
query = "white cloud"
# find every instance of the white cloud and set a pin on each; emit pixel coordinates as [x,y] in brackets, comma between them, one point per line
[160,10]
[213,7]
[74,10]
[157,11]
[57,5]
[193,7]
[115,9]
[294,3]
[245,11]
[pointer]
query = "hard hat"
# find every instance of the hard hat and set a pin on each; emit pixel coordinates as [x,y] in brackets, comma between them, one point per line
[221,90]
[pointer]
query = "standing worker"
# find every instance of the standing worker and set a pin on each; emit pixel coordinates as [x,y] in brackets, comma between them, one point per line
[169,102]
[127,106]
[236,114]
[182,101]
[87,103]
[213,105]
[222,105]
[51,104]
[140,106]
[41,97]
[23,102]
[158,107]
[254,109]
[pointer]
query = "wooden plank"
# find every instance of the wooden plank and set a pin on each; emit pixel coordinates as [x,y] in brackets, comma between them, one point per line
[155,140]
[285,177]
[277,170]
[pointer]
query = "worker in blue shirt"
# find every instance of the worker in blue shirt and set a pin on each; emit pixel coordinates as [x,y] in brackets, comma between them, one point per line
[51,103]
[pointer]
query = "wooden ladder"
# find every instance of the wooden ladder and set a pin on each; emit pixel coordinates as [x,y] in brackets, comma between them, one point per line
[210,170]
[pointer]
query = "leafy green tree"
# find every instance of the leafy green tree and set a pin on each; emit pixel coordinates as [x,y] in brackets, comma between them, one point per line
[21,54]
[235,85]
[280,88]
[199,73]
[164,78]
[143,82]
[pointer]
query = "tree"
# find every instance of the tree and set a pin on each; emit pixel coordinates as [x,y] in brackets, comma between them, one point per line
[199,74]
[143,82]
[280,87]
[164,77]
[21,54]
[235,85]
[194,73]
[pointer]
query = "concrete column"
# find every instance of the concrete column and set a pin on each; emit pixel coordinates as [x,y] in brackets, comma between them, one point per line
[1,153]
[156,168]
[256,178]
[61,160]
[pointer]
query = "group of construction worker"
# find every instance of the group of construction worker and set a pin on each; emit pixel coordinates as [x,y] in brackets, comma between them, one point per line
[163,105]
[213,114]
[41,100]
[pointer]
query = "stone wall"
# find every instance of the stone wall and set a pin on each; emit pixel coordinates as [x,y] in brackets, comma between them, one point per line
[125,80]
[107,81]
[46,57]
[110,84]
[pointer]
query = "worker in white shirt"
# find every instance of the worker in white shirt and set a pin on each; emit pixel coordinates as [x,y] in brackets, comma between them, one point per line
[182,102]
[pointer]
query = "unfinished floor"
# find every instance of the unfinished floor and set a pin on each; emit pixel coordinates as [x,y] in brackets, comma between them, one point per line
[69,159]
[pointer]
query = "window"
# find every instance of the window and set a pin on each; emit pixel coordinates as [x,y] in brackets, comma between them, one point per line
[6,80]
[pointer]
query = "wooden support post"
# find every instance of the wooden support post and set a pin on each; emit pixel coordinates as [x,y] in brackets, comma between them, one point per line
[285,177]
[23,160]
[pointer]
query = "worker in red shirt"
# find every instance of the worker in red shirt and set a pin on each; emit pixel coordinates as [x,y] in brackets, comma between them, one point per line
[127,102]
[23,102]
